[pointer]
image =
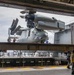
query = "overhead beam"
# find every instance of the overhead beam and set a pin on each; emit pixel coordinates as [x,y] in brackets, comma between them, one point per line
[32,46]
[48,5]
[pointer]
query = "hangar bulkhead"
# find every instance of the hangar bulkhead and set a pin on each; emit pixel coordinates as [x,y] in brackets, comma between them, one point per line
[66,36]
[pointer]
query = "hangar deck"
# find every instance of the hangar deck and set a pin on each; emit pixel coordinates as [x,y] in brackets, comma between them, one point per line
[52,70]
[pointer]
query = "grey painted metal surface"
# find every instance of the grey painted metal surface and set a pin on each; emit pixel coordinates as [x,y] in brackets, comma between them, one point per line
[63,37]
[66,36]
[72,34]
[51,25]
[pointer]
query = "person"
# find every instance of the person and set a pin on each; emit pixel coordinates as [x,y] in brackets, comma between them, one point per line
[68,59]
[72,72]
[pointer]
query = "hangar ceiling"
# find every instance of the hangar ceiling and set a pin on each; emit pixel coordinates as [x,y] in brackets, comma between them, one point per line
[65,7]
[64,1]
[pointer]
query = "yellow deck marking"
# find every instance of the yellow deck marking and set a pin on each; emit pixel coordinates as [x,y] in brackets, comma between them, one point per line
[29,68]
[57,66]
[10,68]
[26,68]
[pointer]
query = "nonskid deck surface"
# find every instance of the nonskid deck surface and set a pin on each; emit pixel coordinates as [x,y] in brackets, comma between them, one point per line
[32,68]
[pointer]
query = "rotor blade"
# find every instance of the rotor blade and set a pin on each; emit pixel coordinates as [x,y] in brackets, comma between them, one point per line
[29,33]
[22,16]
[17,29]
[28,11]
[14,24]
[24,11]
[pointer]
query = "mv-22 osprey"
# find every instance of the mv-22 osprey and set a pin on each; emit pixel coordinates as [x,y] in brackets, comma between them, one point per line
[36,26]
